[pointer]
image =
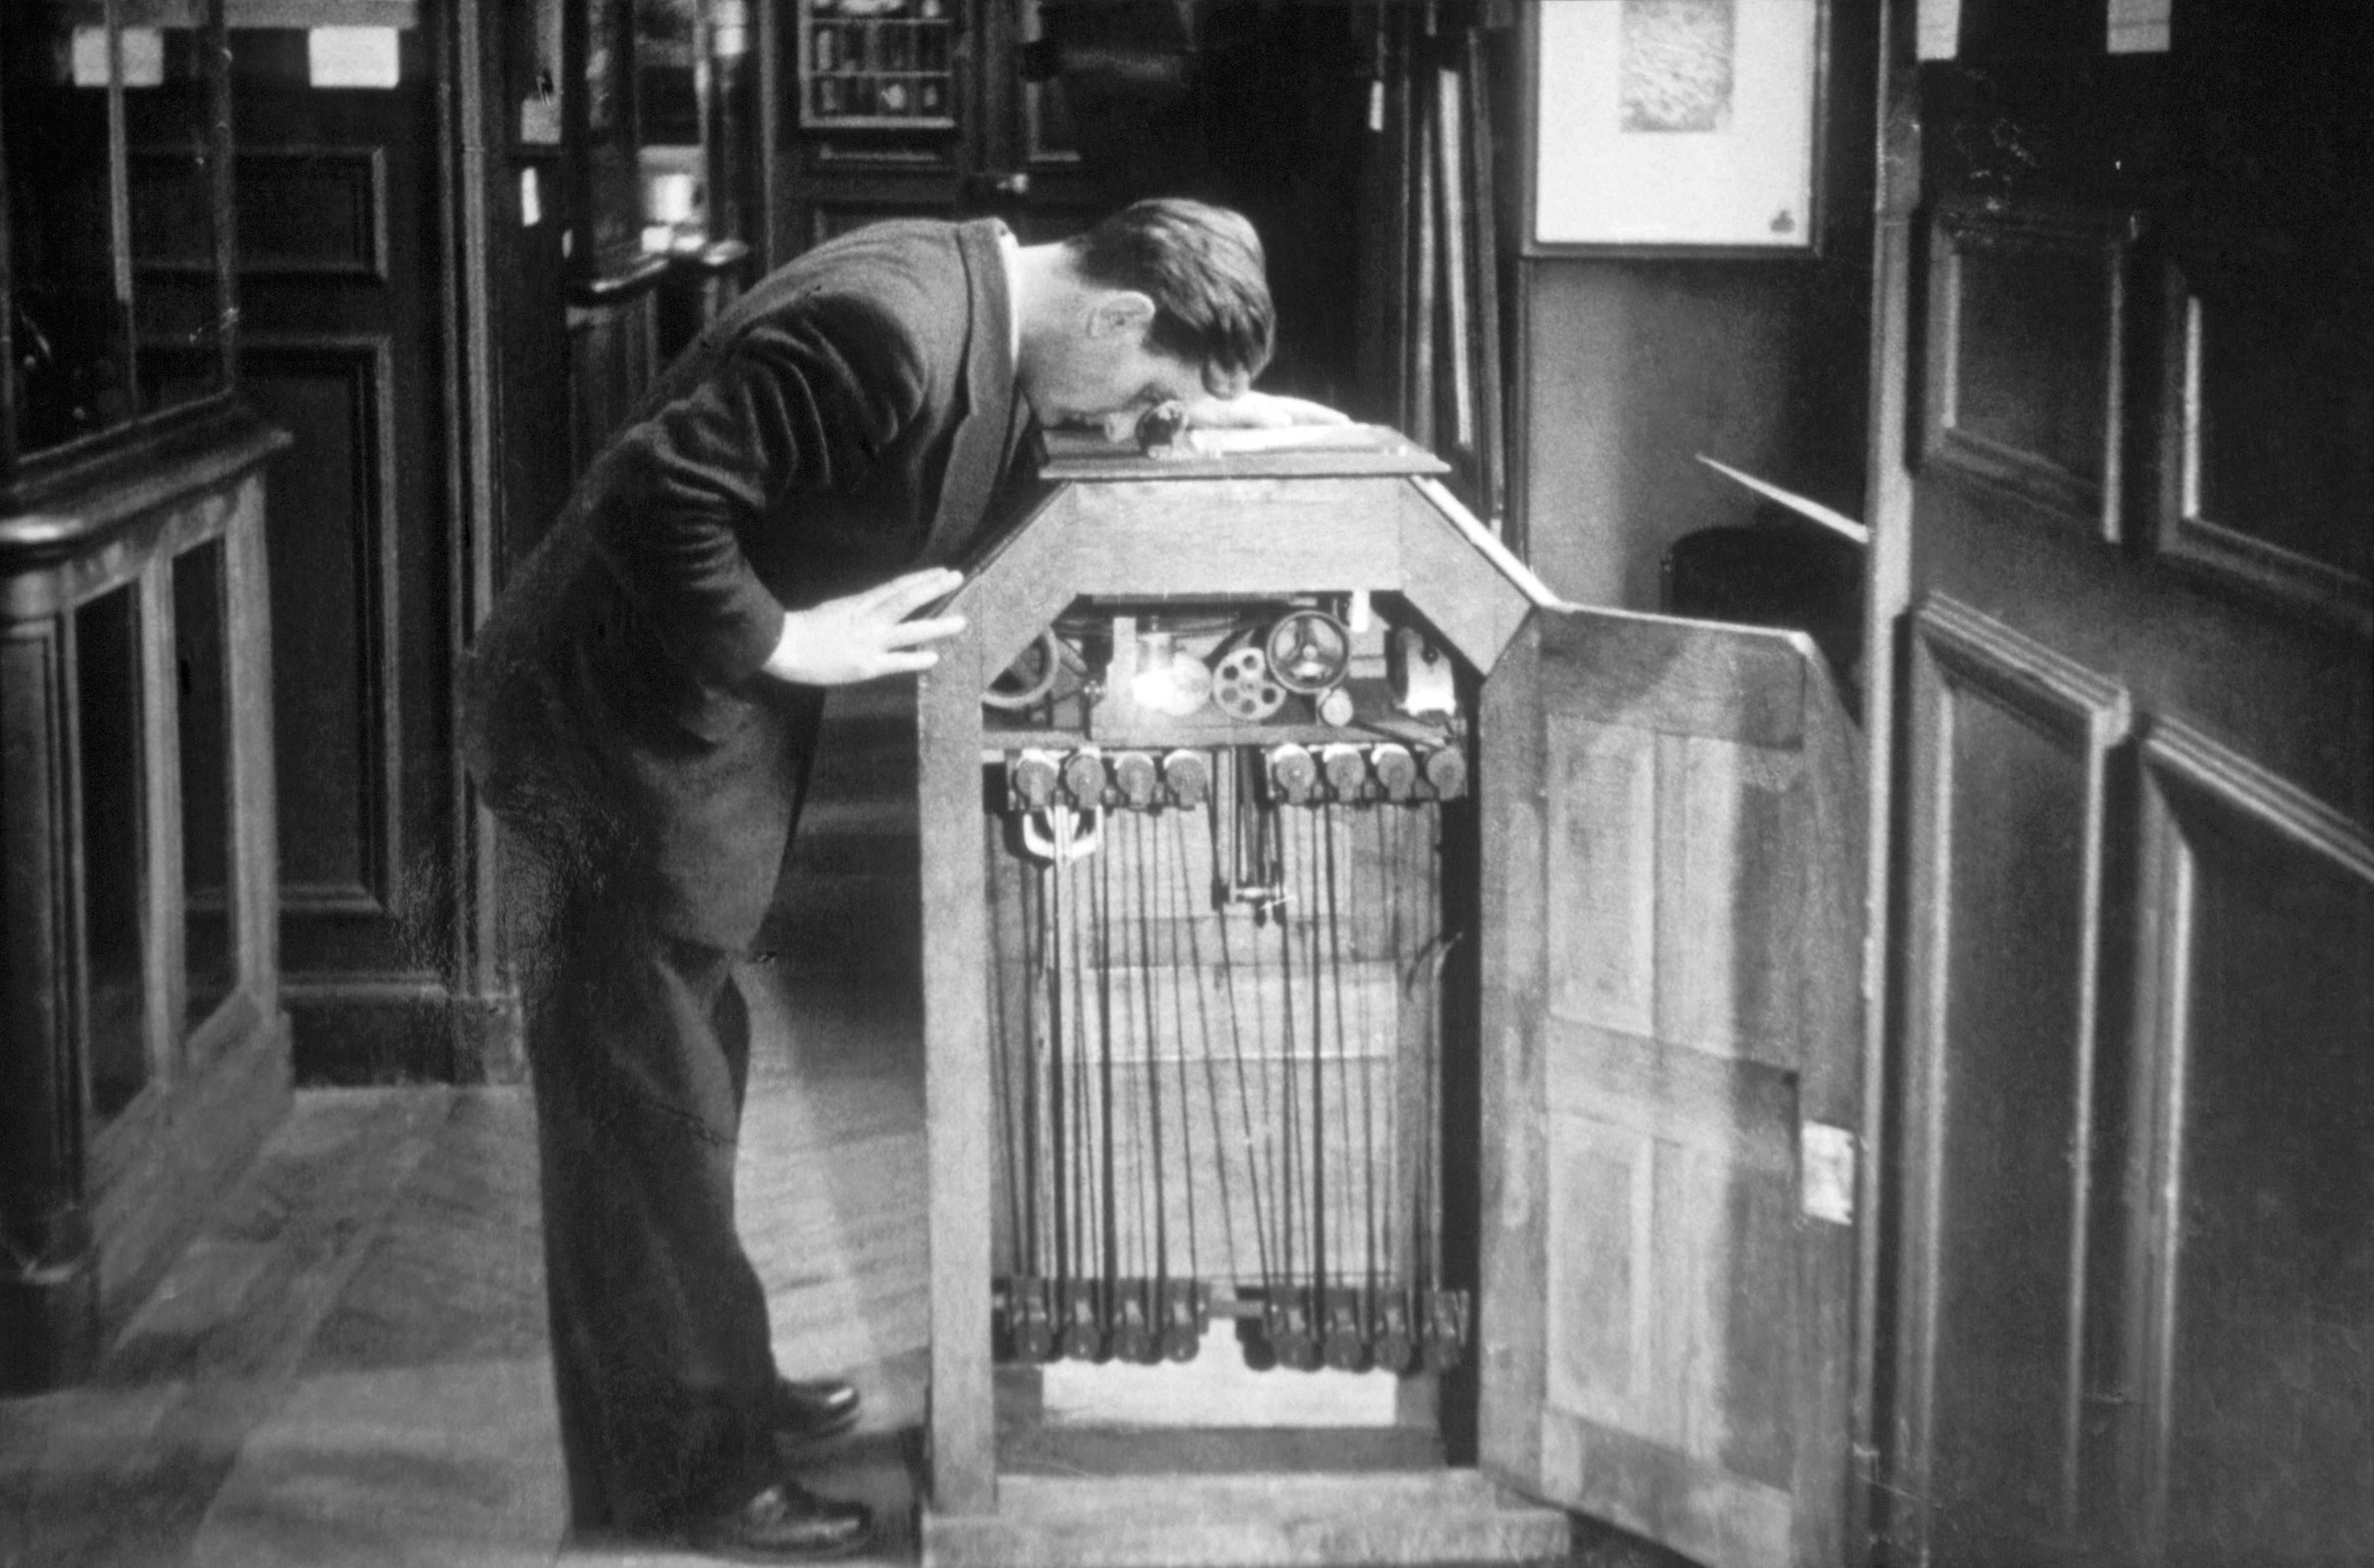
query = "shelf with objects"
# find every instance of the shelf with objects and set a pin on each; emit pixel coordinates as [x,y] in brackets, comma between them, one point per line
[922,109]
[882,64]
[1292,863]
[145,1053]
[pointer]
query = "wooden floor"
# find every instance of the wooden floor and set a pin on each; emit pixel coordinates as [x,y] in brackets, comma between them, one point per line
[347,1367]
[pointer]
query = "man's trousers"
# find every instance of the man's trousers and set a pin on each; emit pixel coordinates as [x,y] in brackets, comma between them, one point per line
[639,1045]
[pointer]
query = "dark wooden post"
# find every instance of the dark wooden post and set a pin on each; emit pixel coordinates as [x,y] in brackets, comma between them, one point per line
[49,1288]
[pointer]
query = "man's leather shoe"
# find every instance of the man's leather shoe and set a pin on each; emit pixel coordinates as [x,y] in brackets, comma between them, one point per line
[786,1523]
[806,1410]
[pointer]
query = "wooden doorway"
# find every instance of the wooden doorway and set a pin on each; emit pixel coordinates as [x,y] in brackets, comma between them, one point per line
[2123,447]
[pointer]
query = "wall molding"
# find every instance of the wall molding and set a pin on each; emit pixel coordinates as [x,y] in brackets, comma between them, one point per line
[2191,780]
[1965,235]
[366,363]
[2185,535]
[1959,654]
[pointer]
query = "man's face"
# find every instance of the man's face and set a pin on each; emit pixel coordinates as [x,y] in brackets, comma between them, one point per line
[1097,369]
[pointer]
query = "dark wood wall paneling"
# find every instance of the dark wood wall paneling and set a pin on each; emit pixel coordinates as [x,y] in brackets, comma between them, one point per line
[1627,369]
[2251,1275]
[358,247]
[336,613]
[2129,1261]
[533,343]
[2027,315]
[614,353]
[2009,818]
[368,340]
[2250,499]
[386,539]
[343,299]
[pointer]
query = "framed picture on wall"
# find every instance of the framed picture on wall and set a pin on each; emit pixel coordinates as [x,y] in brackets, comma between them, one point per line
[1683,125]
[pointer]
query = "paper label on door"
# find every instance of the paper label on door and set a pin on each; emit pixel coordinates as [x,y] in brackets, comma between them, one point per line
[1826,1163]
[351,57]
[1937,29]
[143,51]
[2138,26]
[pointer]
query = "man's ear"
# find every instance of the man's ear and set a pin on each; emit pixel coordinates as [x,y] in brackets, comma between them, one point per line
[1124,313]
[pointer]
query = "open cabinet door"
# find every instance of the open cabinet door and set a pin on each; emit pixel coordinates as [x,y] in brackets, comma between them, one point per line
[1671,1058]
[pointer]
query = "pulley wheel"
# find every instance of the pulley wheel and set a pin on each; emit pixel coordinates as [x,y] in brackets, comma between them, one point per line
[1298,1350]
[1029,678]
[1395,1351]
[1309,650]
[1347,1351]
[1243,687]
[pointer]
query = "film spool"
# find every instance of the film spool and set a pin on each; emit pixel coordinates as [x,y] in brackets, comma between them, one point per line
[1293,773]
[1346,771]
[1134,774]
[1032,776]
[1189,774]
[1084,778]
[1243,688]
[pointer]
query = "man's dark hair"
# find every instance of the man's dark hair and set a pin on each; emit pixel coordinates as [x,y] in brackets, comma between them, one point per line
[1201,268]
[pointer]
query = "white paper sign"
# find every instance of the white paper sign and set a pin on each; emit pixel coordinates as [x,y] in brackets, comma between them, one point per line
[1937,30]
[2138,26]
[351,57]
[1825,1177]
[144,58]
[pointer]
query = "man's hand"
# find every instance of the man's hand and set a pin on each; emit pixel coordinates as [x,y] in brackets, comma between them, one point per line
[1260,410]
[841,642]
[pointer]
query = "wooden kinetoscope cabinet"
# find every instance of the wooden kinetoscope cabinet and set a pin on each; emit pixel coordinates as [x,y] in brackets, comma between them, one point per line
[1392,1040]
[144,1053]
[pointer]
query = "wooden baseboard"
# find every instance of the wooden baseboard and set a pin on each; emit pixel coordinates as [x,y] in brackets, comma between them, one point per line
[49,1326]
[1246,1521]
[363,1032]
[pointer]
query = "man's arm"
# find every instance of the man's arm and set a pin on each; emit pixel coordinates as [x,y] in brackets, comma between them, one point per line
[1246,411]
[841,642]
[1260,410]
[802,402]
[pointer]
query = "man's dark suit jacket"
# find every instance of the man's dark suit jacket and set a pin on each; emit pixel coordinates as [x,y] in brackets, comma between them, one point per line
[849,418]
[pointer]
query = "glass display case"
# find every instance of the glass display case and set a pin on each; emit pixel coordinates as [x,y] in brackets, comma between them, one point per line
[120,305]
[935,109]
[144,1052]
[883,65]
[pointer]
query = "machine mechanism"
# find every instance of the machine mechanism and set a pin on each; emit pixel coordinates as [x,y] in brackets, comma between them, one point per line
[1389,1039]
[1216,907]
[1199,876]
